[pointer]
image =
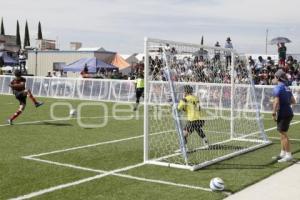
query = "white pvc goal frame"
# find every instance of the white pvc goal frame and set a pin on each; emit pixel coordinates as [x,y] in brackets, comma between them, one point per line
[186,165]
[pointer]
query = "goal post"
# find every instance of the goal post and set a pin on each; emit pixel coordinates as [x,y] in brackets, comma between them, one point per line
[222,81]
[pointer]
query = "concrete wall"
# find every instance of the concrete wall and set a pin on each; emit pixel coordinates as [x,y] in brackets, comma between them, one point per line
[40,62]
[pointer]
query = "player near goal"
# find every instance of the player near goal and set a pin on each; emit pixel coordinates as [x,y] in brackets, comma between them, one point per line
[283,114]
[18,87]
[191,106]
[139,89]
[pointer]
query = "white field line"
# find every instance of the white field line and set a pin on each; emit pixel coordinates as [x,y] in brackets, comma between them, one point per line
[89,145]
[266,130]
[164,182]
[65,165]
[58,187]
[82,147]
[114,172]
[275,127]
[113,141]
[75,118]
[291,139]
[62,186]
[103,174]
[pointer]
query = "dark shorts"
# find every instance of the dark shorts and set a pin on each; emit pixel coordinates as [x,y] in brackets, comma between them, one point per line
[283,123]
[139,92]
[196,125]
[21,97]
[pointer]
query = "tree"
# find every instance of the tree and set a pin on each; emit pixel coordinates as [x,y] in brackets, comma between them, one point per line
[2,27]
[26,36]
[18,40]
[40,35]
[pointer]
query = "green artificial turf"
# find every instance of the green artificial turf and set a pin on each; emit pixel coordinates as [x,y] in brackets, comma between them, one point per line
[43,134]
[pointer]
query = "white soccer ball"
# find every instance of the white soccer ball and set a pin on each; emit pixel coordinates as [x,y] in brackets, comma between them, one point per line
[73,112]
[216,184]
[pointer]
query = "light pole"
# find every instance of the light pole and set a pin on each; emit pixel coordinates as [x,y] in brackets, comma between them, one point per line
[36,52]
[267,34]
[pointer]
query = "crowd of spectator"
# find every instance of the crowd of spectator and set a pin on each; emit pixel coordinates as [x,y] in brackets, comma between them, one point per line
[212,68]
[198,69]
[216,68]
[190,69]
[264,70]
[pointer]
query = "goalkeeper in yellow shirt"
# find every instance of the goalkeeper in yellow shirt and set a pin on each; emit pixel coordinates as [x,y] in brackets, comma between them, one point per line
[191,106]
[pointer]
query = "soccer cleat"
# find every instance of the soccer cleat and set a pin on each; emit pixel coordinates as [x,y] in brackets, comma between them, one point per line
[278,157]
[38,104]
[205,142]
[10,122]
[286,159]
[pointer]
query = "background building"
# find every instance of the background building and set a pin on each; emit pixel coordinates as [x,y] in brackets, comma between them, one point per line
[8,43]
[46,44]
[41,62]
[75,46]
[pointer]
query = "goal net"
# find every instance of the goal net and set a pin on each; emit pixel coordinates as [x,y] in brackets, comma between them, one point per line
[229,114]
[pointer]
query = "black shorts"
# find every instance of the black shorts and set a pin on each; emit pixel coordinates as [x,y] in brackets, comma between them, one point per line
[21,96]
[139,92]
[283,123]
[196,125]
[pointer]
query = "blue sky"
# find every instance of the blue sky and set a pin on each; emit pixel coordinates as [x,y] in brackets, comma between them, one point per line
[120,25]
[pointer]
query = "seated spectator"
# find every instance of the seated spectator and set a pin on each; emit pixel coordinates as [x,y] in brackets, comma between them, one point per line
[289,62]
[251,62]
[290,76]
[85,72]
[260,64]
[201,61]
[188,64]
[269,63]
[262,79]
[49,74]
[295,82]
[296,64]
[115,74]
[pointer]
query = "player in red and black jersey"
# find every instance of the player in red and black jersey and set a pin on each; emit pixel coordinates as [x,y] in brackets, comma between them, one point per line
[18,87]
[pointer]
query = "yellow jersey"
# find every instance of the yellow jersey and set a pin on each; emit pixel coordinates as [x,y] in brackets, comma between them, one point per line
[139,83]
[191,105]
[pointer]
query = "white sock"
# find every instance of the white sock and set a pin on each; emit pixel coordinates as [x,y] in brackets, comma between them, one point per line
[282,153]
[288,154]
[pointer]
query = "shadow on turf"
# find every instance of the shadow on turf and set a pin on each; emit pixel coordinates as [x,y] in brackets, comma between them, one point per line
[225,147]
[52,124]
[218,147]
[242,166]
